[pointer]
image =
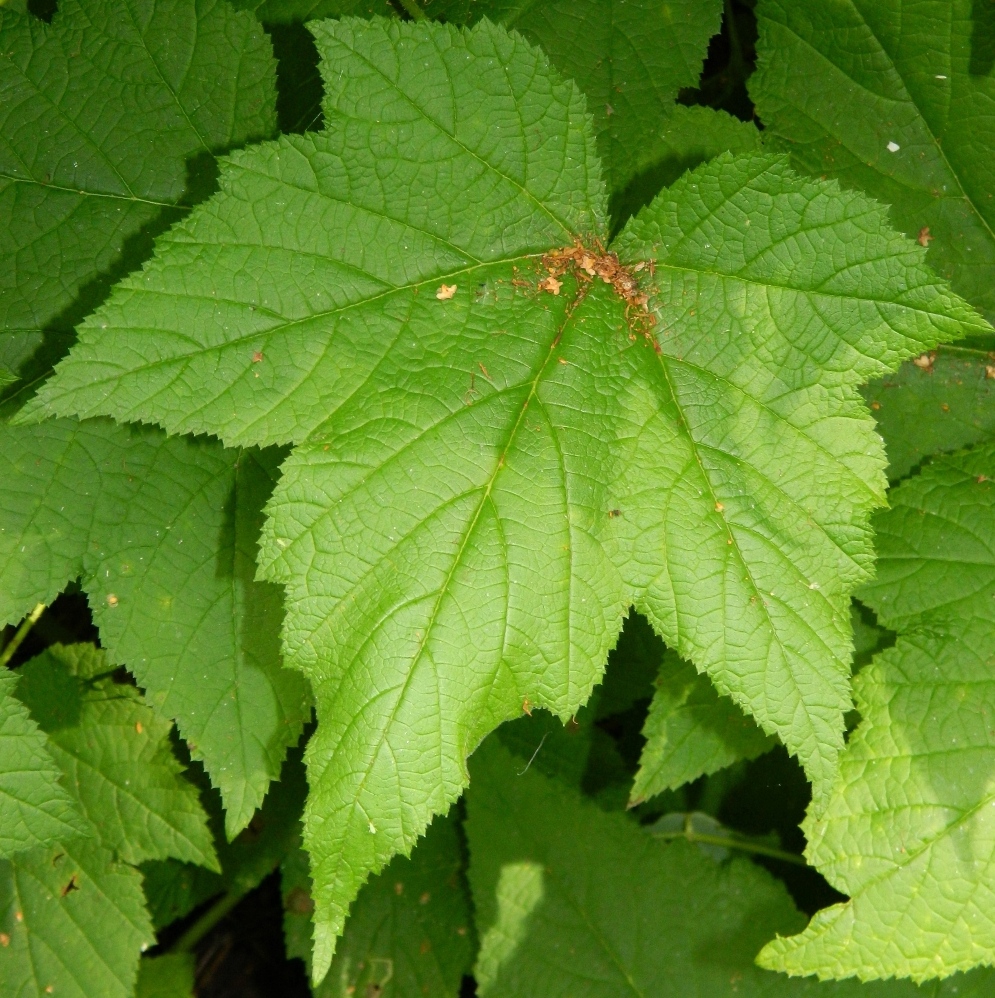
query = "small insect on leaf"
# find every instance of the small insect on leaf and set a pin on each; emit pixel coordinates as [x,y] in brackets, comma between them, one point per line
[70,887]
[445,292]
[924,236]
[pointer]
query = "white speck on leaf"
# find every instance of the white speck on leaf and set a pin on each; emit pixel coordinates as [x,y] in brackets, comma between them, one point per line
[893,146]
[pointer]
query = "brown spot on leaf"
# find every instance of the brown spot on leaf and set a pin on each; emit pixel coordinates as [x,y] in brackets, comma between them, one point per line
[925,236]
[73,885]
[111,600]
[925,361]
[257,357]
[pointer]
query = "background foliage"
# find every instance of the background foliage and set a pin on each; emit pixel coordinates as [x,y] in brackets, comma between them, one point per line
[403,375]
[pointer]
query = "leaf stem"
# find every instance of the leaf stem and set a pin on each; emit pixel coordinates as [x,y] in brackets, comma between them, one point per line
[730,842]
[411,8]
[224,904]
[20,634]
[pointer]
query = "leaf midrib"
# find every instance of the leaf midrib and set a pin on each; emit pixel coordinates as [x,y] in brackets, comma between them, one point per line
[444,589]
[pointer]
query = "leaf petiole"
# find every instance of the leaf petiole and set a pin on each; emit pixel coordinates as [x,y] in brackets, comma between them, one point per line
[20,634]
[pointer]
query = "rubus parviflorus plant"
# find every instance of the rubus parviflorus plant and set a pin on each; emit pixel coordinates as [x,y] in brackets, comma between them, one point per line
[369,443]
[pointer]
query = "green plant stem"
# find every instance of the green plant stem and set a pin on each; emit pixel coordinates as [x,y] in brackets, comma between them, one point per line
[20,634]
[732,843]
[224,904]
[412,9]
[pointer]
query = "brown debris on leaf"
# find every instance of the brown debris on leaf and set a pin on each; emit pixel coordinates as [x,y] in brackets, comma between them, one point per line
[586,264]
[925,236]
[925,361]
[445,292]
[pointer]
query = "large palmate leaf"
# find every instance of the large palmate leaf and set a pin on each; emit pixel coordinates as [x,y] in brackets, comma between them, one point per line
[72,923]
[116,756]
[491,468]
[163,533]
[35,809]
[909,829]
[940,402]
[629,58]
[80,176]
[409,932]
[892,96]
[570,900]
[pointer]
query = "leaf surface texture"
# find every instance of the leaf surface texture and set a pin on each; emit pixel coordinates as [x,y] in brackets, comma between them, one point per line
[163,533]
[908,829]
[35,809]
[887,95]
[487,473]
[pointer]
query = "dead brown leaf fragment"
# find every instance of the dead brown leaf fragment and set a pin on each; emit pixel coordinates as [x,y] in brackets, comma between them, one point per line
[587,263]
[445,292]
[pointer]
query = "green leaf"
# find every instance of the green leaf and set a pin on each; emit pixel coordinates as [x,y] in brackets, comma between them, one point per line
[85,182]
[629,58]
[35,809]
[941,404]
[564,895]
[290,11]
[234,334]
[882,94]
[163,533]
[907,831]
[486,480]
[73,923]
[775,296]
[688,137]
[691,731]
[166,976]
[409,931]
[174,889]
[116,755]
